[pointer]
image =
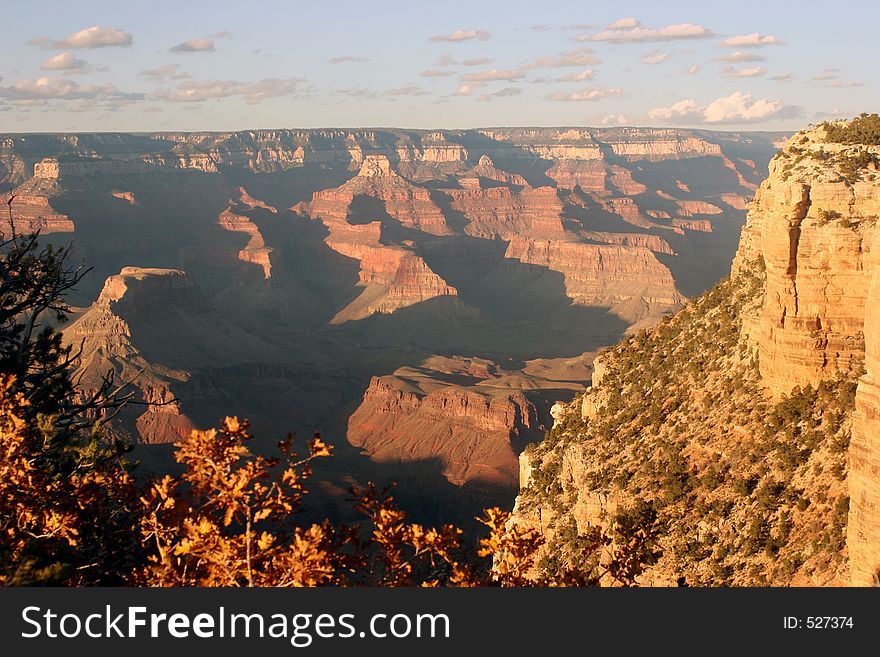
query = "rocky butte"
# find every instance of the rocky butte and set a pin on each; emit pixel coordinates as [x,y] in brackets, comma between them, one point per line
[748,421]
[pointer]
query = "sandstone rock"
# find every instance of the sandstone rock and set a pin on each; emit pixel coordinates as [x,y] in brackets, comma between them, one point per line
[863,526]
[601,275]
[125,196]
[255,251]
[501,212]
[471,431]
[394,276]
[812,323]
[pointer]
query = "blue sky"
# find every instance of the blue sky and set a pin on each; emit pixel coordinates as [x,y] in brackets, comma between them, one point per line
[196,65]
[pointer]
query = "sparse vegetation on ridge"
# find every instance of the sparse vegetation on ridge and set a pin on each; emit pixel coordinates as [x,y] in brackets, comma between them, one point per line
[740,490]
[864,129]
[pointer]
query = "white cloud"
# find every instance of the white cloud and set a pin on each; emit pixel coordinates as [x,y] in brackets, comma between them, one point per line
[501,93]
[347,59]
[194,45]
[785,77]
[827,74]
[753,40]
[742,56]
[637,33]
[462,35]
[468,89]
[91,37]
[624,24]
[408,90]
[831,76]
[166,72]
[194,91]
[593,94]
[495,75]
[477,61]
[55,88]
[64,61]
[751,72]
[578,57]
[582,76]
[692,70]
[681,112]
[655,58]
[613,119]
[738,107]
[434,73]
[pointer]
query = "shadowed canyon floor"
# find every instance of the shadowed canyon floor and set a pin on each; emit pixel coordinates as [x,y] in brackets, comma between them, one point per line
[421,297]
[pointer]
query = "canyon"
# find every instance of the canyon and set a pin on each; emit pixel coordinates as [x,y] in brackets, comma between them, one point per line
[421,297]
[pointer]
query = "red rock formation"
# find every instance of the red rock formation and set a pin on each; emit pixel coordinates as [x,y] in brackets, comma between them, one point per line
[250,202]
[501,212]
[589,175]
[694,208]
[701,225]
[470,431]
[651,242]
[31,210]
[255,251]
[394,276]
[107,345]
[812,323]
[601,275]
[410,205]
[125,196]
[816,233]
[736,201]
[32,213]
[622,179]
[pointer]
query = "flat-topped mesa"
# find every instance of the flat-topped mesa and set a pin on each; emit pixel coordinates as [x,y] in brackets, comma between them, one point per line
[471,431]
[653,243]
[255,251]
[648,144]
[61,167]
[432,149]
[155,280]
[183,158]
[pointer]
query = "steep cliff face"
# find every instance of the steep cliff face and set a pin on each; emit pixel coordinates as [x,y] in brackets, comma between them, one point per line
[813,227]
[504,213]
[863,530]
[732,419]
[602,275]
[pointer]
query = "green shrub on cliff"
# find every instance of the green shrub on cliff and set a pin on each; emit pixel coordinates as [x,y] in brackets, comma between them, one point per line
[864,129]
